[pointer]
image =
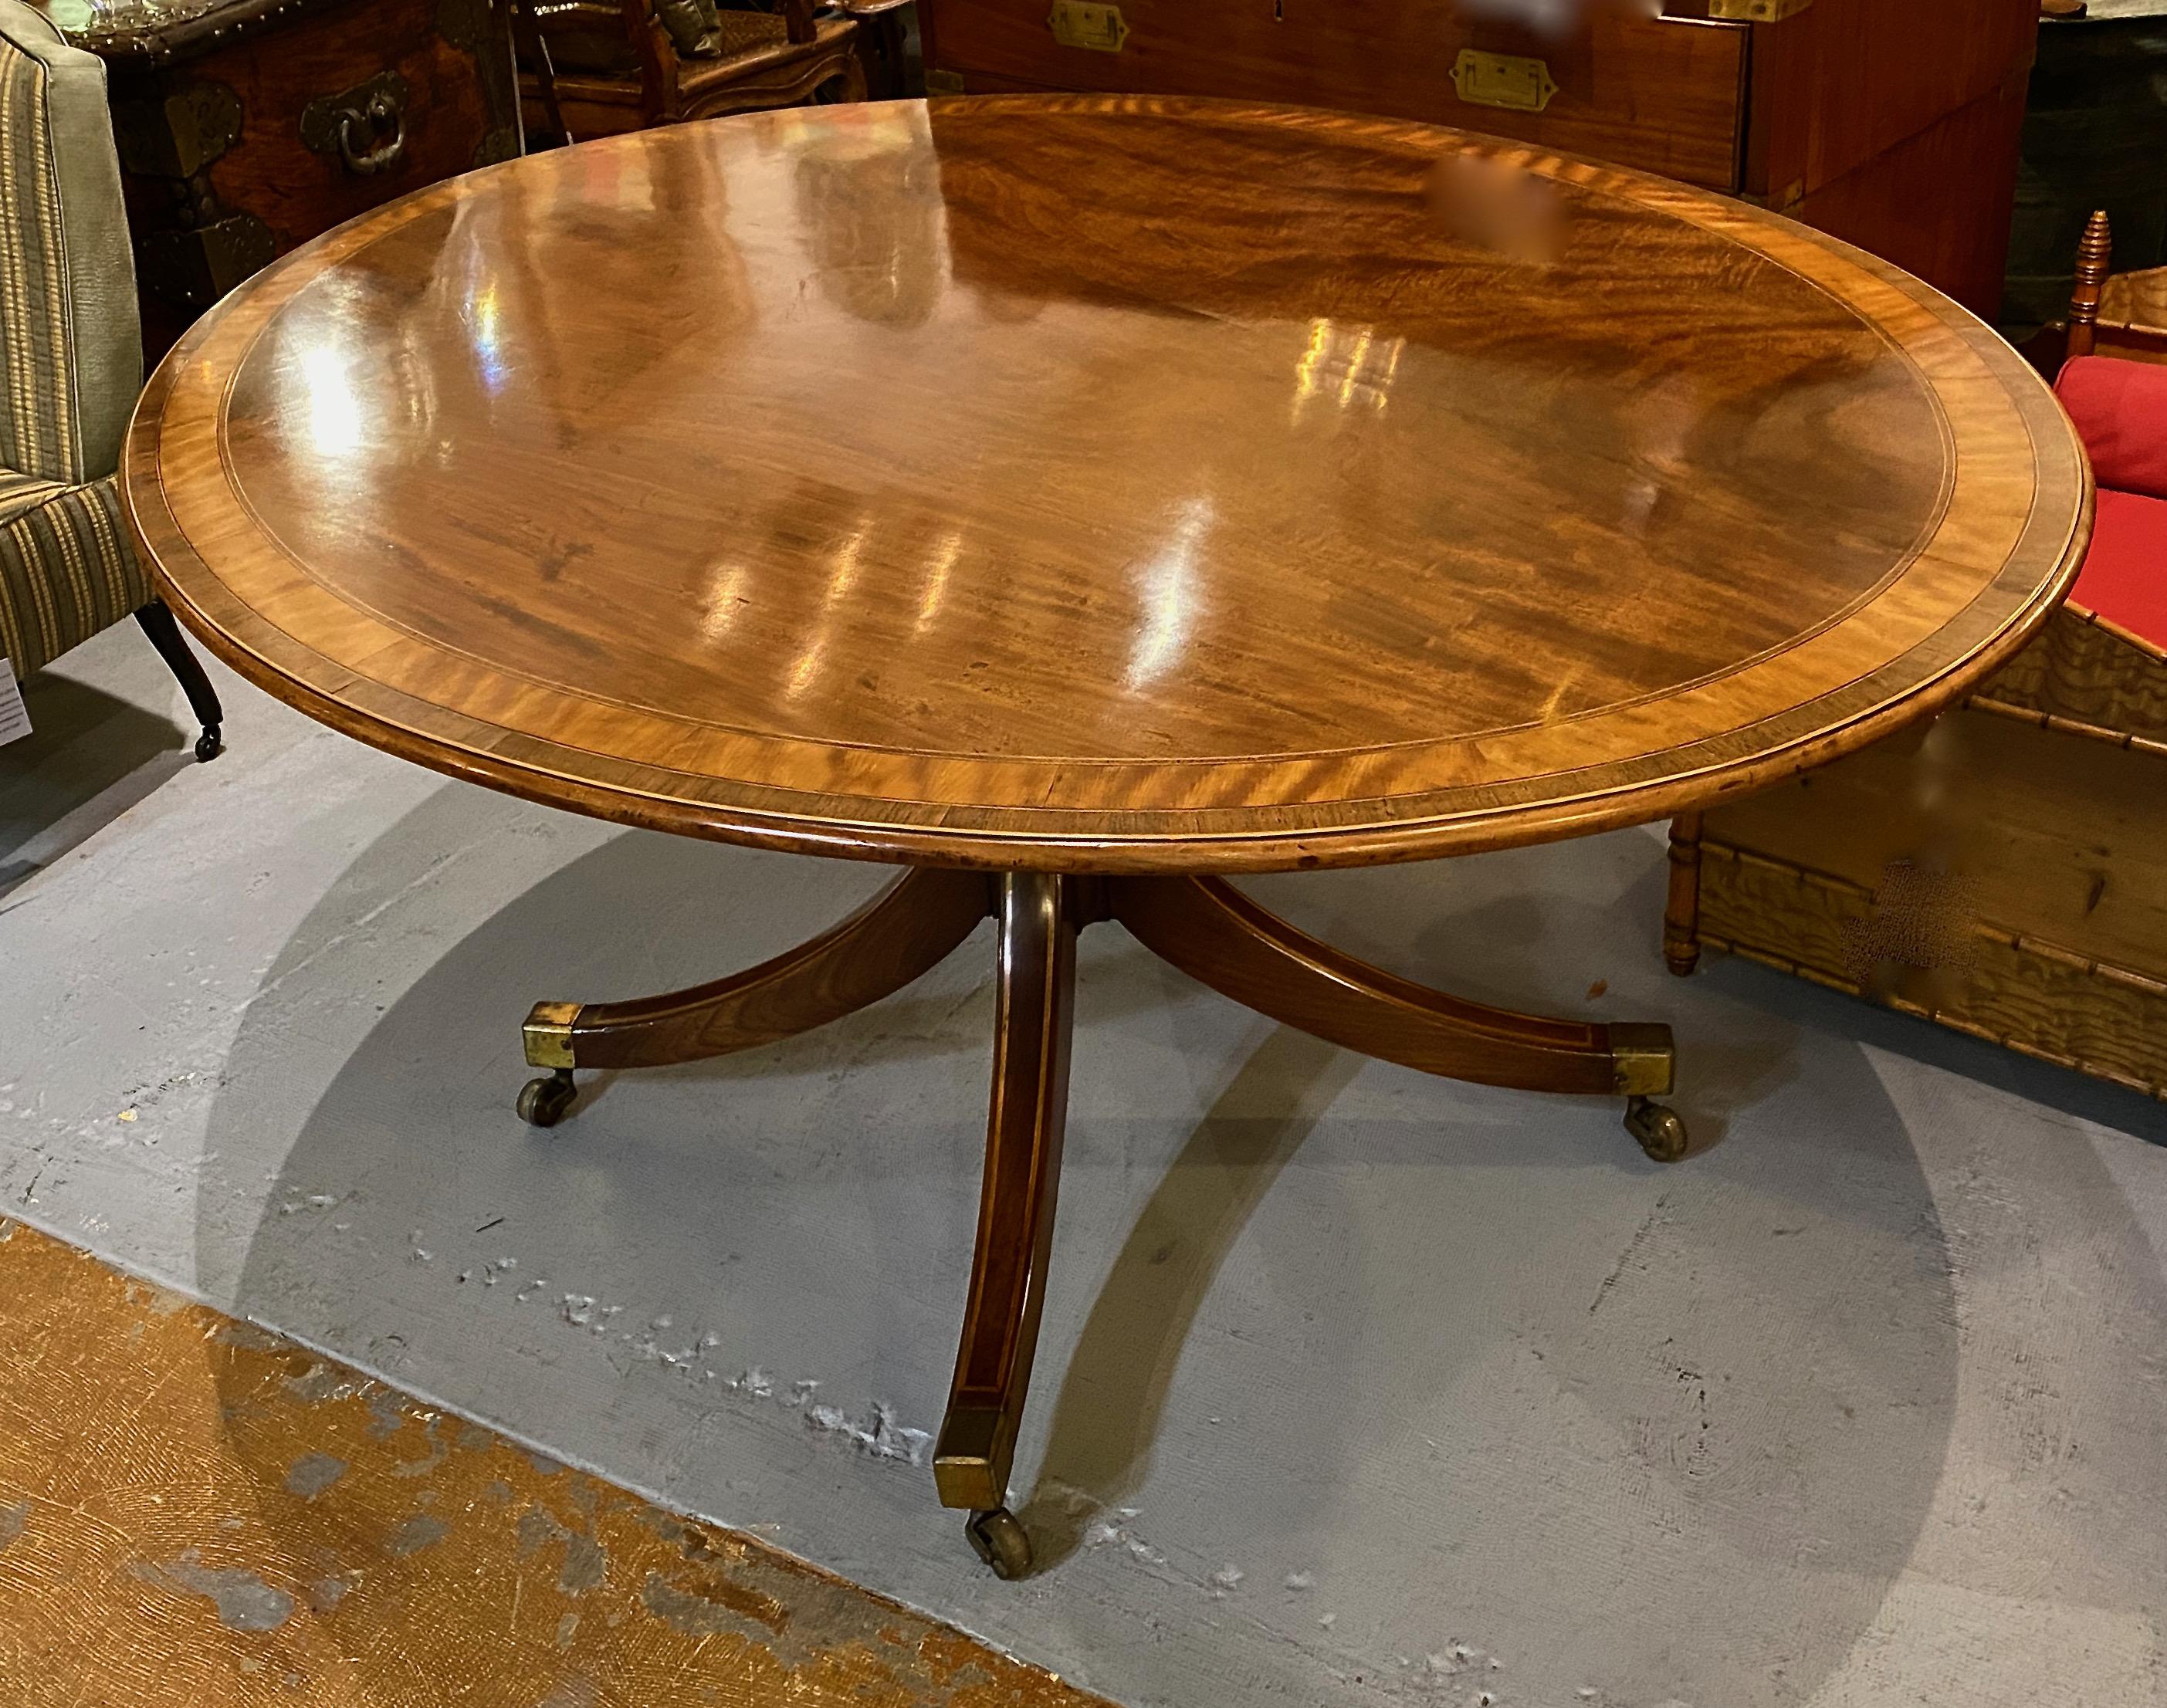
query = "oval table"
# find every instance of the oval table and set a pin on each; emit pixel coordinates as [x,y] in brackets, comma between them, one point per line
[1075,501]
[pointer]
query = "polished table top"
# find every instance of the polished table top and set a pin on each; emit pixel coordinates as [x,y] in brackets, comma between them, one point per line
[1101,484]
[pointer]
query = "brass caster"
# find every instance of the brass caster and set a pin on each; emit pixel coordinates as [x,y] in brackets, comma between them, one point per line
[545,1102]
[1662,1133]
[1001,1542]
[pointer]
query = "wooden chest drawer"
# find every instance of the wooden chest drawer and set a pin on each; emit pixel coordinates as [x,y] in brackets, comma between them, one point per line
[1666,94]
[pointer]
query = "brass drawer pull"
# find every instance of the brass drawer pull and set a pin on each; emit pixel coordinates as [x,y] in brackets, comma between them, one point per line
[1511,81]
[1084,23]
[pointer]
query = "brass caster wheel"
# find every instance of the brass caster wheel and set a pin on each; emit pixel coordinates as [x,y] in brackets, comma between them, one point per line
[1001,1542]
[545,1102]
[1662,1133]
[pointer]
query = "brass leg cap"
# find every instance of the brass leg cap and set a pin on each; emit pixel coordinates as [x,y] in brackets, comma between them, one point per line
[547,1035]
[1001,1542]
[545,1102]
[1661,1133]
[1643,1058]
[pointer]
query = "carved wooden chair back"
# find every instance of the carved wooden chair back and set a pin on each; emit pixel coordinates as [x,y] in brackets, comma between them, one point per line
[591,68]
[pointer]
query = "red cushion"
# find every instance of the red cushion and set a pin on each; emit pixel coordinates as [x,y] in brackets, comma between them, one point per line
[2121,411]
[2124,576]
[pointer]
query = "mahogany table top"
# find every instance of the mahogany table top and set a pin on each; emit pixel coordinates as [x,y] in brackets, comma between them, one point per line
[1100,483]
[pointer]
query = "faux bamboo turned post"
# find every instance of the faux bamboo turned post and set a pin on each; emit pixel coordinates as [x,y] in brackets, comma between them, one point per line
[2095,254]
[1682,915]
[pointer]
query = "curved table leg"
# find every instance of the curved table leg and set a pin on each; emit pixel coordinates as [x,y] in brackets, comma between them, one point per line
[1032,1027]
[1221,938]
[903,932]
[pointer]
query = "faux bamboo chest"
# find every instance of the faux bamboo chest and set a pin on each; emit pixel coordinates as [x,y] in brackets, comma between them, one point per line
[1891,122]
[246,127]
[2001,870]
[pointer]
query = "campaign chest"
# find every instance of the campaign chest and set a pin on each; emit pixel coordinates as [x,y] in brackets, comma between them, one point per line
[1890,123]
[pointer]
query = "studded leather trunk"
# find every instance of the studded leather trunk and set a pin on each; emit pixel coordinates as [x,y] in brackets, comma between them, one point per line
[246,127]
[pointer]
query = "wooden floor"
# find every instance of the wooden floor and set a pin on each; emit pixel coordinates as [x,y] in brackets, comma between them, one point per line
[196,1512]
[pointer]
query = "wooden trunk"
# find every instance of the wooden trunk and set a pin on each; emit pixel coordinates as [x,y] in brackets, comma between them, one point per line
[2002,871]
[1893,126]
[247,127]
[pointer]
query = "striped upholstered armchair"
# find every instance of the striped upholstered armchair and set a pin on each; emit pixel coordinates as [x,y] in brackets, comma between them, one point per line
[71,357]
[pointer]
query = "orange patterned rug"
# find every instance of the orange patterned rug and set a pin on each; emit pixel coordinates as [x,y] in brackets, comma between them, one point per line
[196,1512]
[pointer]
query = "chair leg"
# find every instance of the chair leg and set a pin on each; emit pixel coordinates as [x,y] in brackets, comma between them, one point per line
[527,32]
[156,621]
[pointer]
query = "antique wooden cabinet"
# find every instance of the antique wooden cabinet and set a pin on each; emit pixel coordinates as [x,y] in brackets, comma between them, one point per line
[248,126]
[1891,122]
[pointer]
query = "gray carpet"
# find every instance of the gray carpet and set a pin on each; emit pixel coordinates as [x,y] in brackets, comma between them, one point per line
[1356,1386]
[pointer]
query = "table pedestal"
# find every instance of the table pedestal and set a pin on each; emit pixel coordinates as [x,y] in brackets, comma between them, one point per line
[1203,926]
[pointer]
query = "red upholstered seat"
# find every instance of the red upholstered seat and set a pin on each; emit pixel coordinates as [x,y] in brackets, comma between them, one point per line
[2124,576]
[2120,409]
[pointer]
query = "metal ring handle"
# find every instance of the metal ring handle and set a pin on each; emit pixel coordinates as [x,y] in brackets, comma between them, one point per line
[386,155]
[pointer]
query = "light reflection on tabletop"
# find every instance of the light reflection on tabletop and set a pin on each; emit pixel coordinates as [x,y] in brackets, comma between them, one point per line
[877,427]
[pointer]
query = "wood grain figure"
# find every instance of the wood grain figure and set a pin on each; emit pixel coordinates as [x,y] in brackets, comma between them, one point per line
[1275,545]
